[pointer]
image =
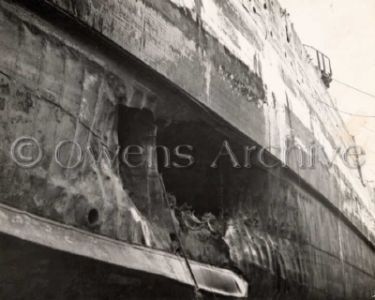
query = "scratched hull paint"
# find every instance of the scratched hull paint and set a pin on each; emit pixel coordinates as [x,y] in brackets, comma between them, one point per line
[210,71]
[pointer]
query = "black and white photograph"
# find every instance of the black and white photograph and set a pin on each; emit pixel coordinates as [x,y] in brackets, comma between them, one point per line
[187,149]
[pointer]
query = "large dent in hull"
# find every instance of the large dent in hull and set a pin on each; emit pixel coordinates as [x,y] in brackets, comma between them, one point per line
[209,41]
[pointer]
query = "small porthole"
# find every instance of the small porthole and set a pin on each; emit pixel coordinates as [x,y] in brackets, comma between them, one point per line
[254,10]
[93,216]
[265,5]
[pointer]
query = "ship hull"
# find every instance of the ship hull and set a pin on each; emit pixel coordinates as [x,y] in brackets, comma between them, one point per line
[73,85]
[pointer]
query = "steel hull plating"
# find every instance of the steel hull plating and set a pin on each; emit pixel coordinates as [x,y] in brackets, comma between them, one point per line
[171,73]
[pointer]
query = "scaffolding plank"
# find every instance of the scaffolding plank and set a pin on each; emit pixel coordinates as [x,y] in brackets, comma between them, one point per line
[61,237]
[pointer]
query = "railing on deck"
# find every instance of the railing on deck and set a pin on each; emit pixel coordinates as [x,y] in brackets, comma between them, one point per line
[322,62]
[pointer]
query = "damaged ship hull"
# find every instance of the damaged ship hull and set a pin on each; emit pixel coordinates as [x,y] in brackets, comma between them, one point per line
[172,74]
